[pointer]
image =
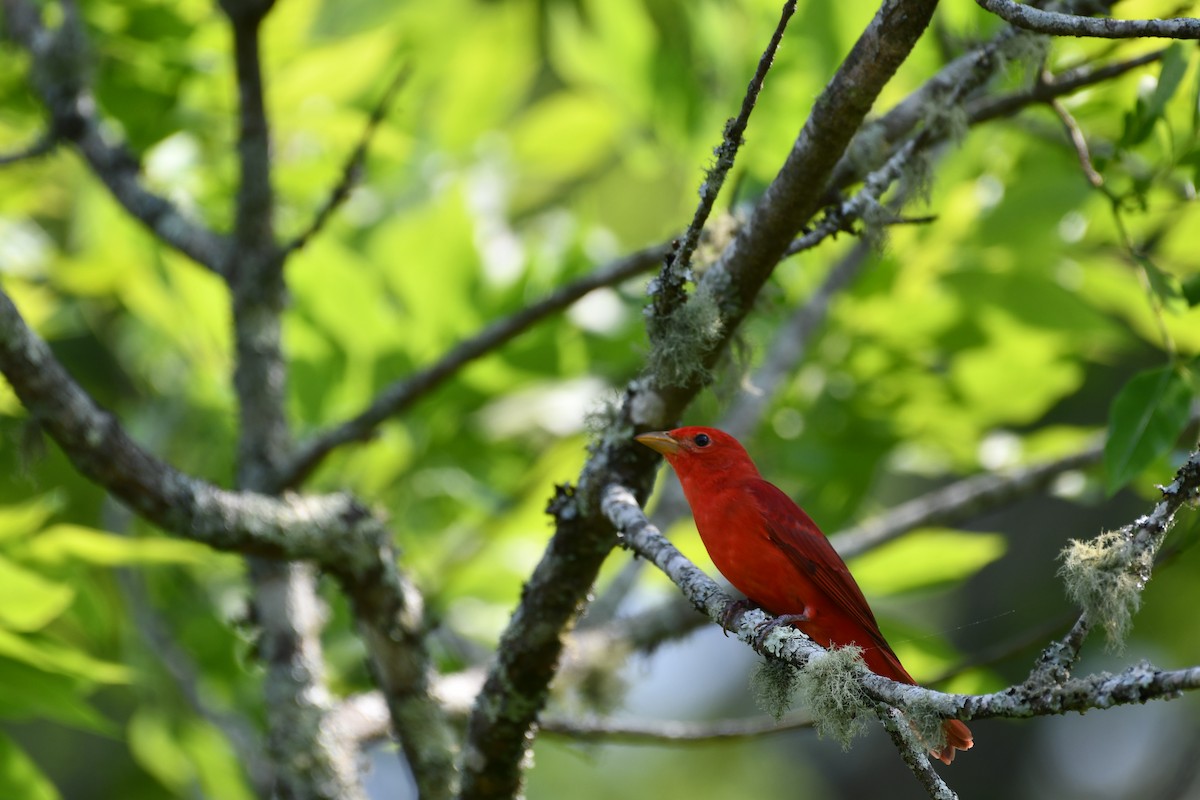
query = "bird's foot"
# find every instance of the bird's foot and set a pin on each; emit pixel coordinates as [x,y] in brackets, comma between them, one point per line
[734,610]
[760,637]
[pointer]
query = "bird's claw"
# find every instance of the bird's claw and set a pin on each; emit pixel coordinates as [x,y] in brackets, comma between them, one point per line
[760,637]
[734,610]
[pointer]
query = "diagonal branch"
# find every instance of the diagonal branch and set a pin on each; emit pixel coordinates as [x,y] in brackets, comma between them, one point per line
[244,522]
[499,731]
[913,754]
[959,500]
[397,397]
[1059,24]
[352,170]
[1056,86]
[669,291]
[334,531]
[57,75]
[1037,696]
[41,146]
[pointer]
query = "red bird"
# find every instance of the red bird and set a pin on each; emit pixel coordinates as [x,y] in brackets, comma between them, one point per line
[773,553]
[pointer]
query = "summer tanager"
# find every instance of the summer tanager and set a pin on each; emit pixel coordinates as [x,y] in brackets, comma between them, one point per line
[772,552]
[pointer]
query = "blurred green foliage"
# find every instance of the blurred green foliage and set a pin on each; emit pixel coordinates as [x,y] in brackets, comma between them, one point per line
[533,141]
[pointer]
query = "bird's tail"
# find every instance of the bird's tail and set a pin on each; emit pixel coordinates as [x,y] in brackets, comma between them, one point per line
[958,737]
[882,661]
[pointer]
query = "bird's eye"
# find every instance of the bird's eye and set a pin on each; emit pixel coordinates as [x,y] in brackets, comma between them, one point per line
[702,440]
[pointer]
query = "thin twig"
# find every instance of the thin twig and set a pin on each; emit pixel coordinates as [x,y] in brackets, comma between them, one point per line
[669,732]
[913,754]
[959,500]
[1079,142]
[1058,24]
[41,146]
[167,653]
[1053,87]
[57,72]
[352,170]
[675,272]
[403,393]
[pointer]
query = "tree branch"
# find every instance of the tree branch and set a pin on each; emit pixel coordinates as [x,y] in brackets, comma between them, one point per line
[1079,142]
[1053,87]
[352,169]
[1049,688]
[913,753]
[959,500]
[41,146]
[332,530]
[668,292]
[312,760]
[57,76]
[498,733]
[400,395]
[669,732]
[156,635]
[1058,24]
[254,223]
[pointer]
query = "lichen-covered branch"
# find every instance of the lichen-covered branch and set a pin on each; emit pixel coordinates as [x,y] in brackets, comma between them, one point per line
[668,291]
[334,531]
[1050,688]
[1053,87]
[312,761]
[498,733]
[1059,24]
[914,754]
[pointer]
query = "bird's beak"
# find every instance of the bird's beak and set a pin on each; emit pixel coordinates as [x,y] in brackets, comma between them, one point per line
[660,441]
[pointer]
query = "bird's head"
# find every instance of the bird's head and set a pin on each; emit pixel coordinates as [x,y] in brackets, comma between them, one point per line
[697,451]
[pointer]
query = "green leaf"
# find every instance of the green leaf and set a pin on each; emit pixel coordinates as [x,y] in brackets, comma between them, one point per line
[61,543]
[1145,420]
[27,693]
[20,777]
[218,768]
[1164,285]
[29,601]
[924,559]
[1149,110]
[152,742]
[21,519]
[61,659]
[1191,290]
[1174,66]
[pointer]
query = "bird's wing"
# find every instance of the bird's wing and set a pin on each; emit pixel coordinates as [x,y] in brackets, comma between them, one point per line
[797,536]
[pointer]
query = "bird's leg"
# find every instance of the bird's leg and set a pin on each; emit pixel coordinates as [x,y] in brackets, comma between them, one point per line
[734,610]
[783,619]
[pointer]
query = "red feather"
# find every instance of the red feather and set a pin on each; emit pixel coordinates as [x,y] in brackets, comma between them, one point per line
[773,553]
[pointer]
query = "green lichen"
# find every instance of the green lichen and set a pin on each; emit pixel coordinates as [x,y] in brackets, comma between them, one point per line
[829,686]
[773,683]
[1105,576]
[684,339]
